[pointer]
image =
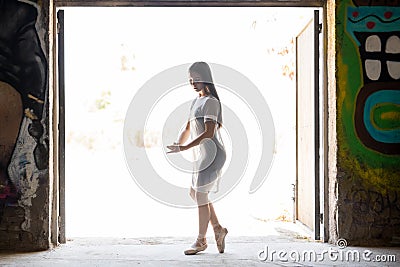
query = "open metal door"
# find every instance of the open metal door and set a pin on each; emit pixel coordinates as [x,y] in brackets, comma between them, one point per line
[61,127]
[307,127]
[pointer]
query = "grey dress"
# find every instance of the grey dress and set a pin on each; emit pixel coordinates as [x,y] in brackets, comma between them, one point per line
[210,155]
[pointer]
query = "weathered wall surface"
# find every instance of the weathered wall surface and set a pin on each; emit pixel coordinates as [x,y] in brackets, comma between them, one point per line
[368,121]
[24,157]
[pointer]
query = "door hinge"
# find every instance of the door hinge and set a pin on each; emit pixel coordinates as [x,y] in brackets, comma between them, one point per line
[320,28]
[321,218]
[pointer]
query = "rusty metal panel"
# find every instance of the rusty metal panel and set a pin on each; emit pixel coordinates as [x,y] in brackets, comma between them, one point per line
[317,188]
[61,127]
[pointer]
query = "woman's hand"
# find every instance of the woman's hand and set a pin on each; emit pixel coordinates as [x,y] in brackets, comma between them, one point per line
[175,148]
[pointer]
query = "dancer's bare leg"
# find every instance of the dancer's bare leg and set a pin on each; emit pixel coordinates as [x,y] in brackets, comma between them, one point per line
[204,217]
[204,214]
[213,218]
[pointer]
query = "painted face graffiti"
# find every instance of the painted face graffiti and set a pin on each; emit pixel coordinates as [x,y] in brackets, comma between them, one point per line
[377,111]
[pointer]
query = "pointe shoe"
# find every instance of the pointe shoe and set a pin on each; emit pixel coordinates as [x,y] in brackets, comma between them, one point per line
[220,239]
[196,247]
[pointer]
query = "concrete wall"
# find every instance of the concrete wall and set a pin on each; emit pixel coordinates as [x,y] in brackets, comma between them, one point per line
[24,142]
[368,121]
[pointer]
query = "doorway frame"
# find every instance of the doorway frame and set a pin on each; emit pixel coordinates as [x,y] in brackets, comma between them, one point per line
[327,73]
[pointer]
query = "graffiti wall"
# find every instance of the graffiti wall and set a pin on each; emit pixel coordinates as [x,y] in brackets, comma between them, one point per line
[368,104]
[23,119]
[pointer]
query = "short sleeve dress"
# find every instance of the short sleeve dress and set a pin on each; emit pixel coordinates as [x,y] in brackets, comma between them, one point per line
[210,155]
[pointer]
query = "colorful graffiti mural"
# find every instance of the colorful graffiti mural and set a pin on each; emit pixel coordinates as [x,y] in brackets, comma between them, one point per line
[369,91]
[368,120]
[23,86]
[377,119]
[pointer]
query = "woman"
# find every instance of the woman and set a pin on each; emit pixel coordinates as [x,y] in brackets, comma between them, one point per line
[203,126]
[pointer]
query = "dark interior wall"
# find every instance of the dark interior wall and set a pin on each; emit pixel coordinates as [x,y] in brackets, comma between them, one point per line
[368,204]
[24,121]
[368,121]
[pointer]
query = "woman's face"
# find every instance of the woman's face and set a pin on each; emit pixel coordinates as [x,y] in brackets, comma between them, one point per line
[194,79]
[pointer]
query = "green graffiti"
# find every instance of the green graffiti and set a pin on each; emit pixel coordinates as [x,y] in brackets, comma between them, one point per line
[386,116]
[378,169]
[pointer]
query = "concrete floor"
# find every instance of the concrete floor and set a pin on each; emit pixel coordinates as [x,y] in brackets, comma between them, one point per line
[240,251]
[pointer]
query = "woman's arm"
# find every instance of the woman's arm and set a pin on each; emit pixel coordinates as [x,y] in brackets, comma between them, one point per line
[208,133]
[209,128]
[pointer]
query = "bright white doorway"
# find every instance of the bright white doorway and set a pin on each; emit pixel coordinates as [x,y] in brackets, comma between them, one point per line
[111,52]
